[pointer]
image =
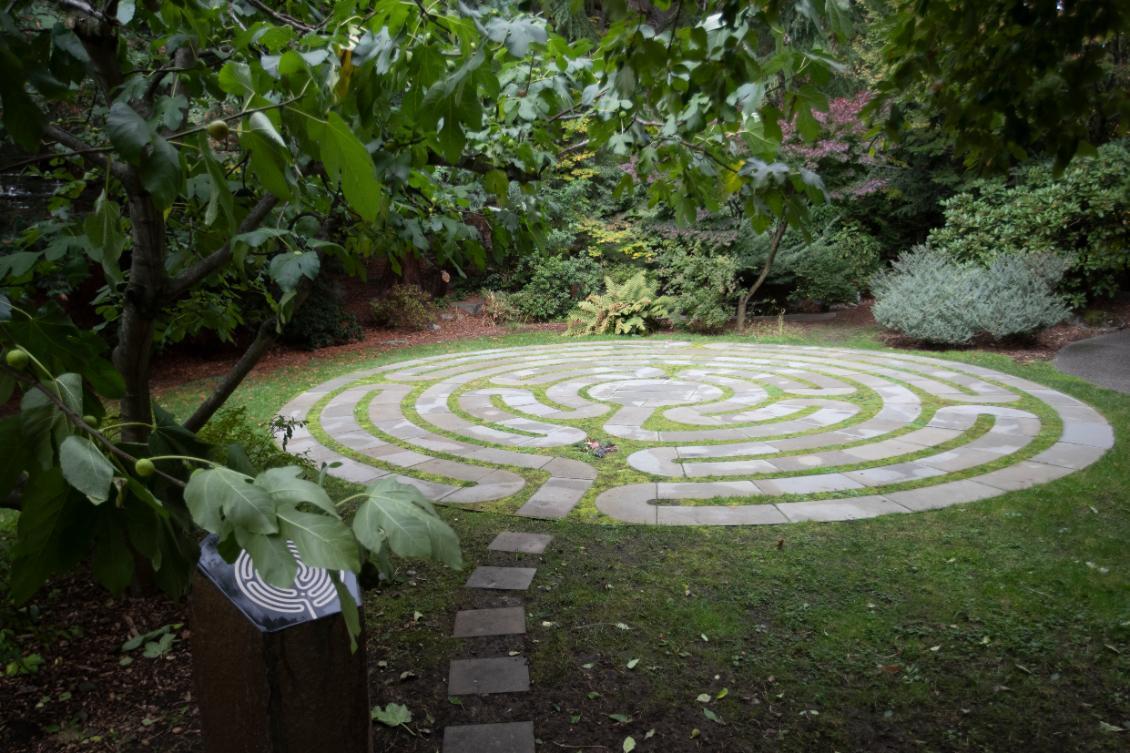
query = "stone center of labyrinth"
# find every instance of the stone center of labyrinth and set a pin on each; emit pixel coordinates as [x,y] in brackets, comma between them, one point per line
[707,434]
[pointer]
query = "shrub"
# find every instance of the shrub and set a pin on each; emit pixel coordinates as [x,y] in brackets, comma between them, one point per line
[835,269]
[929,296]
[703,286]
[233,426]
[556,284]
[404,306]
[499,307]
[631,308]
[1080,215]
[322,321]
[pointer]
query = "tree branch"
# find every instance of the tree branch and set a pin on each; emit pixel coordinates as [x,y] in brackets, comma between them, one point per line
[85,8]
[265,337]
[96,155]
[192,276]
[482,166]
[283,18]
[80,423]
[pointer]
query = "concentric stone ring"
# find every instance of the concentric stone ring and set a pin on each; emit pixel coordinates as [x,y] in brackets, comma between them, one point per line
[715,433]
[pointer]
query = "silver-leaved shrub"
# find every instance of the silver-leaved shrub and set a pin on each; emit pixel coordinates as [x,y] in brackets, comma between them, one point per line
[929,296]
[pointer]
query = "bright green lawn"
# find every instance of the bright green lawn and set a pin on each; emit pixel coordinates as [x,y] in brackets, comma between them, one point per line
[1002,625]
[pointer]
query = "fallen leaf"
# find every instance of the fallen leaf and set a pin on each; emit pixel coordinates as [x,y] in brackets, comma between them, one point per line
[629,744]
[392,715]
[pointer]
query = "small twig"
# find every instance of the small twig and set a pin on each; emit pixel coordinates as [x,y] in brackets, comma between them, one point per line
[578,747]
[282,17]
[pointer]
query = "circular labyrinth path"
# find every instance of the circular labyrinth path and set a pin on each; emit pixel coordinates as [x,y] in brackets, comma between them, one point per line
[707,434]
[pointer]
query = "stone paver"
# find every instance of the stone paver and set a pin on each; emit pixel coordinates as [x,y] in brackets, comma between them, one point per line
[502,578]
[502,674]
[524,543]
[475,623]
[509,737]
[783,433]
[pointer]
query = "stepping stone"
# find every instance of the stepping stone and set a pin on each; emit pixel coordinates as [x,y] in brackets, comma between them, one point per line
[502,674]
[474,623]
[515,737]
[502,578]
[524,543]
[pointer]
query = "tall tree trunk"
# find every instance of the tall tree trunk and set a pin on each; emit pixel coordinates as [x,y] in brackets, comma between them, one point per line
[143,300]
[775,244]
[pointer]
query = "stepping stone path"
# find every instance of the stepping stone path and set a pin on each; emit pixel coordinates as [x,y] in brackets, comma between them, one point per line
[495,674]
[783,433]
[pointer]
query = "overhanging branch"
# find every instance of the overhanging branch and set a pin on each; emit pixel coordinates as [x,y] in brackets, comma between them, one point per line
[195,274]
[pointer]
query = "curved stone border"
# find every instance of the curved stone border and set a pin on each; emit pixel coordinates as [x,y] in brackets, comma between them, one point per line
[792,425]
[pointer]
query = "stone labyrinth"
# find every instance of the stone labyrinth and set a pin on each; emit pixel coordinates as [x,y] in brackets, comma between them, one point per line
[707,434]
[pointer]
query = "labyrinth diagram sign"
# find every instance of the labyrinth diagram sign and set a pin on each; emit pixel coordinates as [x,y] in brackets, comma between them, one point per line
[270,608]
[714,433]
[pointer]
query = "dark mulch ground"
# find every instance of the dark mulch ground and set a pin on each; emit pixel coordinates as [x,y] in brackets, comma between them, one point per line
[82,698]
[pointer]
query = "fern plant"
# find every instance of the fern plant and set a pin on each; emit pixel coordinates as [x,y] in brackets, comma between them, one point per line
[630,308]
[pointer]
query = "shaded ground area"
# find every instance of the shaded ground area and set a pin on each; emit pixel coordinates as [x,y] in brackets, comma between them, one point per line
[1104,360]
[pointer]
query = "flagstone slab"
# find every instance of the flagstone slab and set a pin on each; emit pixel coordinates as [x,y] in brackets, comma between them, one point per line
[508,737]
[502,674]
[476,623]
[502,578]
[522,543]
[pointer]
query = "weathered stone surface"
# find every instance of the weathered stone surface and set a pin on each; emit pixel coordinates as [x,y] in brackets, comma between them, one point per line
[511,737]
[475,623]
[524,543]
[503,674]
[502,578]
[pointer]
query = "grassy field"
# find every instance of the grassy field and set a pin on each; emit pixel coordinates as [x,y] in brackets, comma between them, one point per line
[1001,625]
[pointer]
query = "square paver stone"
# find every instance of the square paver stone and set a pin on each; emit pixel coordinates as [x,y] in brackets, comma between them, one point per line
[523,543]
[474,623]
[502,578]
[513,737]
[502,674]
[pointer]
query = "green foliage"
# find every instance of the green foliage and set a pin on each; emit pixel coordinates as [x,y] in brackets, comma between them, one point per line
[404,306]
[629,308]
[1080,215]
[928,296]
[261,514]
[323,319]
[704,286]
[556,284]
[833,269]
[1007,78]
[499,307]
[233,427]
[85,491]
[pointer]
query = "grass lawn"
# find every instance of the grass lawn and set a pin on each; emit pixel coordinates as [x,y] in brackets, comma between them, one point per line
[1001,625]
